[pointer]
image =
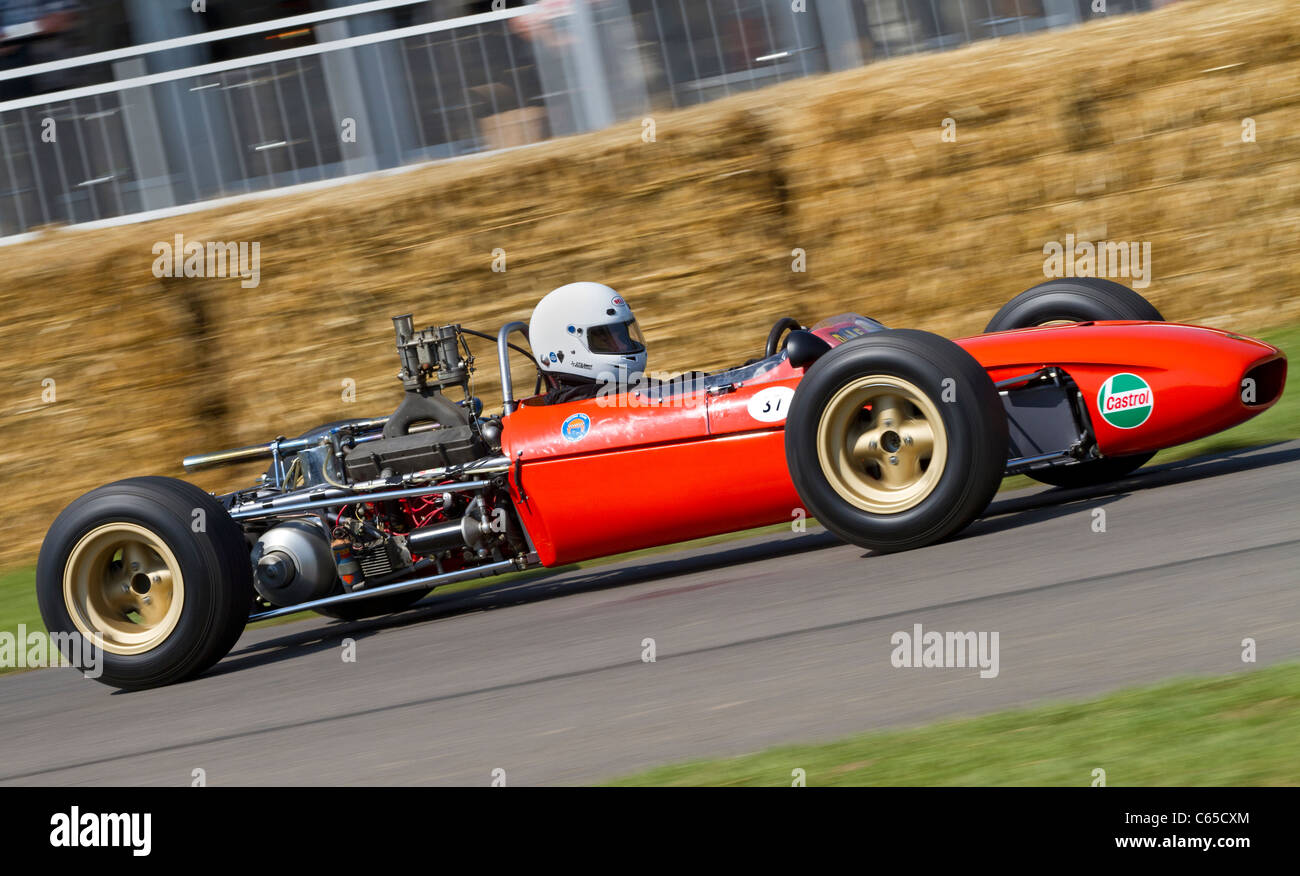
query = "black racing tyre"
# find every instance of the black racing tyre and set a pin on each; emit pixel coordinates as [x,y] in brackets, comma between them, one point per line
[896,440]
[1075,299]
[157,568]
[374,607]
[1078,299]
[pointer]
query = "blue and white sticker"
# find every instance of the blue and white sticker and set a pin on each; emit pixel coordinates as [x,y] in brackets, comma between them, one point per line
[575,427]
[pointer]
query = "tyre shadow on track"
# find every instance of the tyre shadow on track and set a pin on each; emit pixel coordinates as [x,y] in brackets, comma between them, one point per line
[1183,471]
[1045,504]
[1002,515]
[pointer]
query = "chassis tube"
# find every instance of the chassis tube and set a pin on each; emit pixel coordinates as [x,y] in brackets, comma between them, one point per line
[414,584]
[270,508]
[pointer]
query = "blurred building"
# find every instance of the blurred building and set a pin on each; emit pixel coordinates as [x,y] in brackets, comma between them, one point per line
[111,108]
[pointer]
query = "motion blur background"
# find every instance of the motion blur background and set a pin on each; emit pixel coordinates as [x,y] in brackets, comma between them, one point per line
[918,153]
[249,95]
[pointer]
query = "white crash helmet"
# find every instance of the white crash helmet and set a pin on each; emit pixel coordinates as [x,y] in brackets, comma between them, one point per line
[586,331]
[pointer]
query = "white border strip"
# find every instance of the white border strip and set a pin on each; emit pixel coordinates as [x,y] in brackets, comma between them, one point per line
[209,37]
[266,58]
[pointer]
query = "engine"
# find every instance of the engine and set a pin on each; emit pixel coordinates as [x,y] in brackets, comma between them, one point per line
[446,446]
[413,494]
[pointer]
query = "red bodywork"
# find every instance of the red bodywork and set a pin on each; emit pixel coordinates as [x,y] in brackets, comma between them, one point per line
[643,473]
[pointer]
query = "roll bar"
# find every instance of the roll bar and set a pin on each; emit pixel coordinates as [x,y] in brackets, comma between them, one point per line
[503,360]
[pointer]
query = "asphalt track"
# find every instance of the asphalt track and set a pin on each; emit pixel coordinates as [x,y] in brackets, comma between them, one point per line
[759,642]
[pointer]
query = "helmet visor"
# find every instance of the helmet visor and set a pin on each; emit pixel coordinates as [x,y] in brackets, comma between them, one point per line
[619,337]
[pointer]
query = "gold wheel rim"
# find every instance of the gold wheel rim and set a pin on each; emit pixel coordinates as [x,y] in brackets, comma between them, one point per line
[122,582]
[881,444]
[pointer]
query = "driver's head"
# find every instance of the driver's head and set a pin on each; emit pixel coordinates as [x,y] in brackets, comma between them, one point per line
[586,332]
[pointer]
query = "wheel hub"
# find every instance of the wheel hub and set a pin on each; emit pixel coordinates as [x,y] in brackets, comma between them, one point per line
[123,582]
[882,444]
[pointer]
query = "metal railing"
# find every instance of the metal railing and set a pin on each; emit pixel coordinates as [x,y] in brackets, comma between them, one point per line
[370,86]
[339,104]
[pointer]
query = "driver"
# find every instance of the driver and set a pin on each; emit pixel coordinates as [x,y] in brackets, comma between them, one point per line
[585,337]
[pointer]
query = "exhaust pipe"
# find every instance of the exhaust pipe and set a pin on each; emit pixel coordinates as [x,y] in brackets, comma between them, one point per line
[470,531]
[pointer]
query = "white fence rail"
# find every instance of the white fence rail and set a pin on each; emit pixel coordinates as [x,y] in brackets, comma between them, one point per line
[386,83]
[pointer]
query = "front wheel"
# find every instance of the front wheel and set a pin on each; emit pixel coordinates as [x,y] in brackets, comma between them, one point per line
[897,440]
[155,570]
[1074,299]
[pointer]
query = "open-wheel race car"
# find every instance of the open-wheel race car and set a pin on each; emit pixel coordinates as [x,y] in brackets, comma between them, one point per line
[892,438]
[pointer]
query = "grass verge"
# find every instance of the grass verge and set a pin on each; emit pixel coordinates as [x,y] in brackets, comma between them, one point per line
[1230,730]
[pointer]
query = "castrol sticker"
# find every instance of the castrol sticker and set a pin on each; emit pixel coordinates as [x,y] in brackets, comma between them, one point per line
[770,405]
[1125,401]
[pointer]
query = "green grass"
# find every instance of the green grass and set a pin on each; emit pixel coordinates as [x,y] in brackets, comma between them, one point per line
[1279,423]
[1241,729]
[18,600]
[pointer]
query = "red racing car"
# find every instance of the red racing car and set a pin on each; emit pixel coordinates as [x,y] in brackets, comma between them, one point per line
[891,438]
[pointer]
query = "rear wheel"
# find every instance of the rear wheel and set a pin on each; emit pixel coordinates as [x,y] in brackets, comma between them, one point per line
[153,567]
[1078,299]
[897,440]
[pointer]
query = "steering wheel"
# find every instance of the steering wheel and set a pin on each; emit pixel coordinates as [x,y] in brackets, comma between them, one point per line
[774,336]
